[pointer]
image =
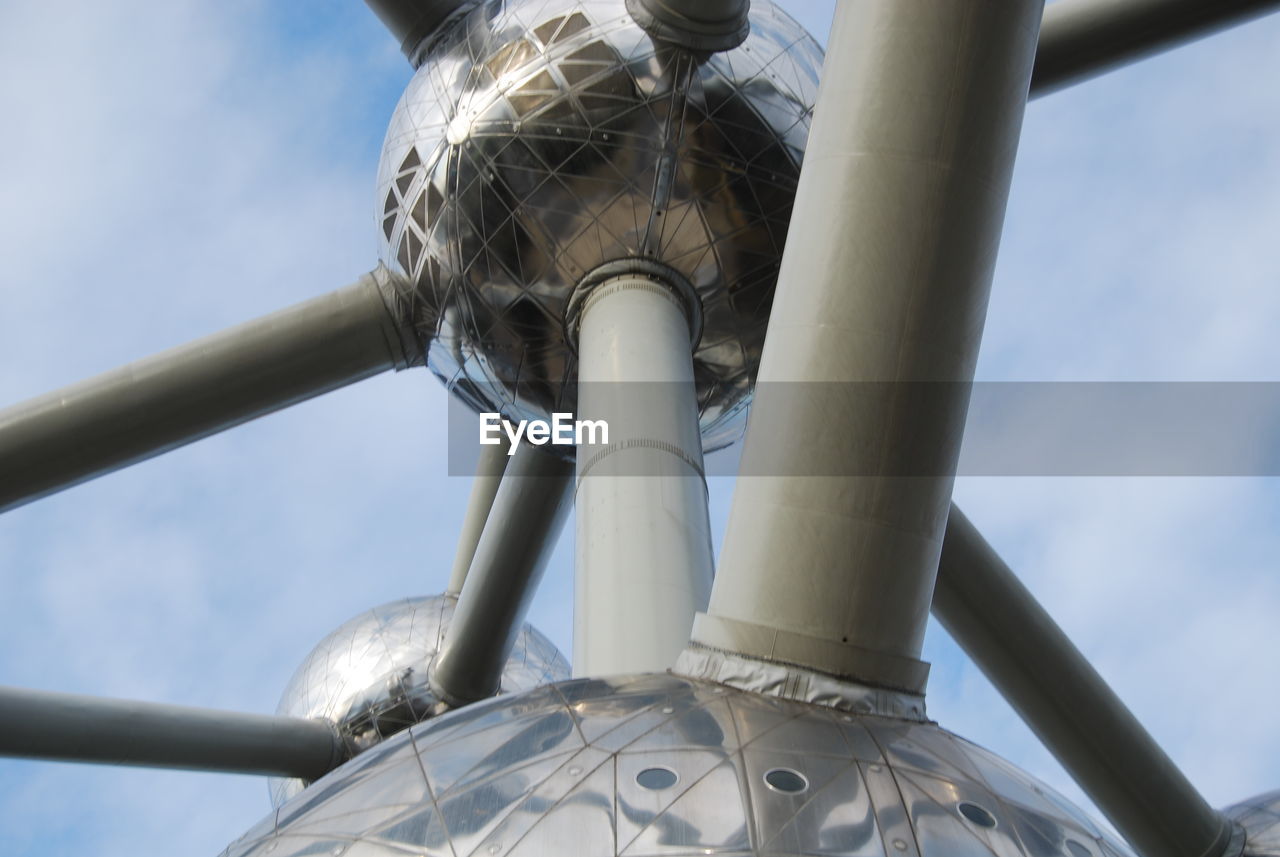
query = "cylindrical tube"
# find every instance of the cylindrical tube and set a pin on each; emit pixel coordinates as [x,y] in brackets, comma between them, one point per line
[528,513]
[489,470]
[1080,39]
[195,390]
[644,554]
[1019,647]
[36,724]
[412,21]
[883,285]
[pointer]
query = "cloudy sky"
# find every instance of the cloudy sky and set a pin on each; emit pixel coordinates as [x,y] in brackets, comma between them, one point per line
[169,169]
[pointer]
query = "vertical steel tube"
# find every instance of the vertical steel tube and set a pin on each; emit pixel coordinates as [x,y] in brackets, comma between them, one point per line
[988,611]
[884,280]
[493,461]
[643,551]
[527,515]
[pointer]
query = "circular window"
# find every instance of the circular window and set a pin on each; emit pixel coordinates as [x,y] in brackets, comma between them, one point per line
[1078,850]
[656,779]
[976,814]
[786,781]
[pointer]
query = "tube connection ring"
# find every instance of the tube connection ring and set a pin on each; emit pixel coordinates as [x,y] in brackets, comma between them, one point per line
[668,280]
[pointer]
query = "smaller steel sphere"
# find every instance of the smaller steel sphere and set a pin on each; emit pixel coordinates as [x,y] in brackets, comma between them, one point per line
[639,766]
[1259,818]
[541,139]
[370,677]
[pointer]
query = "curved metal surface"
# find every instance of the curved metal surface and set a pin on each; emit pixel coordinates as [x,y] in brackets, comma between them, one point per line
[1260,818]
[659,765]
[540,140]
[371,676]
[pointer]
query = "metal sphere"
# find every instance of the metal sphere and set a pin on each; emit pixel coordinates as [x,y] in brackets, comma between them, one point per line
[370,677]
[1259,817]
[662,765]
[540,140]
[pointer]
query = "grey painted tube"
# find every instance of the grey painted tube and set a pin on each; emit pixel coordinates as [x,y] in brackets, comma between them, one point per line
[181,395]
[37,724]
[527,515]
[699,25]
[411,21]
[1080,39]
[488,478]
[1033,664]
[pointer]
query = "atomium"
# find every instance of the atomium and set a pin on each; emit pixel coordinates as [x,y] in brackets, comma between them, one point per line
[540,140]
[370,677]
[662,765]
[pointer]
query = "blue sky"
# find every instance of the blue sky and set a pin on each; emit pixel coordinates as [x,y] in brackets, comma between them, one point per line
[170,169]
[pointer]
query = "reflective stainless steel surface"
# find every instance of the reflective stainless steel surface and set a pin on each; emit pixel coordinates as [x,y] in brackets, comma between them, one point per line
[1260,818]
[659,765]
[541,139]
[370,677]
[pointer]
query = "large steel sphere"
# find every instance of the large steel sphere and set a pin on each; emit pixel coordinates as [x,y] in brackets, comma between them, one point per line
[370,677]
[539,140]
[661,765]
[1259,818]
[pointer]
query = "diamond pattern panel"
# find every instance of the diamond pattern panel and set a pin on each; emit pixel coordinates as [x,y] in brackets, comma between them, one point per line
[661,766]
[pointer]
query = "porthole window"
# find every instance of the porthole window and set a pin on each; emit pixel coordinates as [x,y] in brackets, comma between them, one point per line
[786,781]
[656,779]
[976,814]
[1078,850]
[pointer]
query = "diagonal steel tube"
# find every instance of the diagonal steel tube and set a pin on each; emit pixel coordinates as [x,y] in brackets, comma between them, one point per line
[488,479]
[37,724]
[181,395]
[527,515]
[1080,39]
[1033,664]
